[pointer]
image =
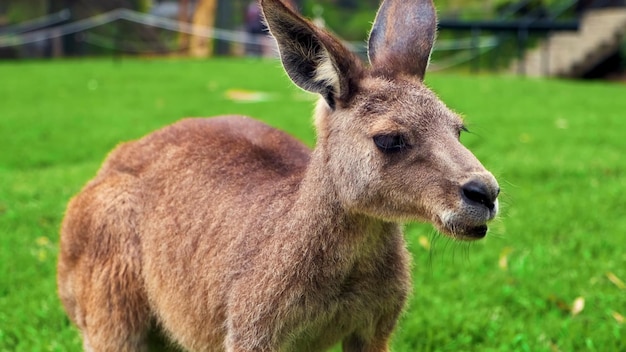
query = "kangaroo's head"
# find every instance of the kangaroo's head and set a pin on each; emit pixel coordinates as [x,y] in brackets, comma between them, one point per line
[390,145]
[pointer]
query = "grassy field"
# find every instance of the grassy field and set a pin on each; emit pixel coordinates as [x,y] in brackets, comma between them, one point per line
[550,277]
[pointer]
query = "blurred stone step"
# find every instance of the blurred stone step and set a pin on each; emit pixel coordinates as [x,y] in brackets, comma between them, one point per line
[571,54]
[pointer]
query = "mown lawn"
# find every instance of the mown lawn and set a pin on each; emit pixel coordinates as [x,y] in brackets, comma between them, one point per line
[550,277]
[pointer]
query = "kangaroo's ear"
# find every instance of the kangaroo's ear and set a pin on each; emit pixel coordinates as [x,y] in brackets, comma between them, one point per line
[402,37]
[314,60]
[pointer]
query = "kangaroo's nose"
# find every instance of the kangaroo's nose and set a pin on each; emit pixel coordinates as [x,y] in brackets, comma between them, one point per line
[479,192]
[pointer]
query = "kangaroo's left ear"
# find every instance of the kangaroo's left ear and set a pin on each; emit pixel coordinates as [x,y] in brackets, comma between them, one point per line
[314,60]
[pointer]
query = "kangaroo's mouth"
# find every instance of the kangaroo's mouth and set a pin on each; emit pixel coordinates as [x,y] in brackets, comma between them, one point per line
[477,232]
[471,233]
[460,230]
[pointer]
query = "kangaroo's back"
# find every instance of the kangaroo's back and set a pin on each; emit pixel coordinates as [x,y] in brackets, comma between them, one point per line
[220,144]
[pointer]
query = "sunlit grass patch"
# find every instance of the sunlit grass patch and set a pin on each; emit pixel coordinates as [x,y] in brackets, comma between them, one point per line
[549,277]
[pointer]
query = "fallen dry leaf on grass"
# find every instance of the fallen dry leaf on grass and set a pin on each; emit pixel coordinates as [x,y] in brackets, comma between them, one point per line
[616,280]
[559,303]
[424,242]
[618,317]
[578,306]
[503,262]
[244,96]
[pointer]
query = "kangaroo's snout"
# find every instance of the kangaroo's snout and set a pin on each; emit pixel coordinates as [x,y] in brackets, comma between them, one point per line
[482,193]
[476,205]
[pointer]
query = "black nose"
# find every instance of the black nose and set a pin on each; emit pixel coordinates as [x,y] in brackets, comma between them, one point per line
[478,192]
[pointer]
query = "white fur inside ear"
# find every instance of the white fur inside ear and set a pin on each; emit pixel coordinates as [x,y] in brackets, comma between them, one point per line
[326,72]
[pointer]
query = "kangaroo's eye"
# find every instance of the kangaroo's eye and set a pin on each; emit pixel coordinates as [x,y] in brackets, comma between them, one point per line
[390,143]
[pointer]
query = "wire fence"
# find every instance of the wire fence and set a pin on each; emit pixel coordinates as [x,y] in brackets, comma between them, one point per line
[50,27]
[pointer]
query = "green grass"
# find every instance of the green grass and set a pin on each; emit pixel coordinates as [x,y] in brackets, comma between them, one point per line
[556,147]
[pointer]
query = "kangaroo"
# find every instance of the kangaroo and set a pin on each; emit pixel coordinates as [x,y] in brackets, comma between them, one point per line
[228,235]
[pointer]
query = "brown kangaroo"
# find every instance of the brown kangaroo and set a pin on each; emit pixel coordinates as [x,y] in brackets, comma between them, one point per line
[229,235]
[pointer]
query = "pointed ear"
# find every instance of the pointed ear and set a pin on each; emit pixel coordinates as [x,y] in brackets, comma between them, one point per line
[313,59]
[402,37]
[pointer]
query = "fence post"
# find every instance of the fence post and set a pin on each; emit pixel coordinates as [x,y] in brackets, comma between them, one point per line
[476,49]
[546,55]
[522,38]
[117,41]
[224,20]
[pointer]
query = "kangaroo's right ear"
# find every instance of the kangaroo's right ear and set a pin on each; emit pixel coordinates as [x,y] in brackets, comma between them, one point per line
[313,59]
[402,37]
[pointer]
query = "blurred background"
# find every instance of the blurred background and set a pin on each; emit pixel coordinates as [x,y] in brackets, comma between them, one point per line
[540,85]
[566,38]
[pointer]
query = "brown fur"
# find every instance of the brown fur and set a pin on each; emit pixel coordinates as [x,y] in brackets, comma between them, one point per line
[230,235]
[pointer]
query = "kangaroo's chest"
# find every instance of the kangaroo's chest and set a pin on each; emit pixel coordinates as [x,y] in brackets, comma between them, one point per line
[372,293]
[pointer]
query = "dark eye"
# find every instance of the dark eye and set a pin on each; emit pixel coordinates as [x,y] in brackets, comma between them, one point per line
[390,143]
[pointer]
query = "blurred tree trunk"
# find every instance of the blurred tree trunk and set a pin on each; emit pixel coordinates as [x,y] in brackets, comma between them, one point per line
[204,17]
[183,16]
[59,45]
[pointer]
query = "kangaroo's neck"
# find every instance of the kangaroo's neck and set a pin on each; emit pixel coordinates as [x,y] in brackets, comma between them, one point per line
[318,201]
[320,219]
